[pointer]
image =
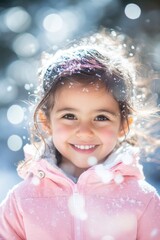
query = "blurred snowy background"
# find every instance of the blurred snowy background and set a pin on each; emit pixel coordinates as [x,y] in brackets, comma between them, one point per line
[27,27]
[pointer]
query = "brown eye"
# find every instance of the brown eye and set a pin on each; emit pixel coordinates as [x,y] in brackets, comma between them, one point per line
[101,118]
[70,116]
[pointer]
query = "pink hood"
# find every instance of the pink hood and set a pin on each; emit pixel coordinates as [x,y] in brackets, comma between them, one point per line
[123,162]
[110,201]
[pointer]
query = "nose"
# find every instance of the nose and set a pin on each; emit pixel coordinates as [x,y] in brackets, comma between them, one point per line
[84,131]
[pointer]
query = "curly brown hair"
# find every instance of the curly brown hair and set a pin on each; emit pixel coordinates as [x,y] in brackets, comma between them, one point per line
[99,59]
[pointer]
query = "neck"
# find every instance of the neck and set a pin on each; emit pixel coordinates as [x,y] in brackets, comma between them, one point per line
[71,170]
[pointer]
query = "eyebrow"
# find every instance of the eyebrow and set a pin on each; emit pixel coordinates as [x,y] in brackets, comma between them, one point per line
[96,110]
[107,111]
[66,109]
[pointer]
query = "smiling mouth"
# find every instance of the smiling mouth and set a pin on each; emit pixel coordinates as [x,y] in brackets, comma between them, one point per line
[85,148]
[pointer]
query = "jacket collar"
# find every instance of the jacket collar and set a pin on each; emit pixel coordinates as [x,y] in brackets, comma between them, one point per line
[123,162]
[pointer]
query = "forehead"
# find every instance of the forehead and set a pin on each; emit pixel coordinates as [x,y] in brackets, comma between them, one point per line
[70,87]
[90,84]
[93,96]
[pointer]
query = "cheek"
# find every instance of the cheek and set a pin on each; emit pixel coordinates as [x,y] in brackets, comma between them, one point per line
[109,135]
[60,131]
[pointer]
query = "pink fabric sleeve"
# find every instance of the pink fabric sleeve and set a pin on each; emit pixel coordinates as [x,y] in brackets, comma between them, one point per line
[11,222]
[149,223]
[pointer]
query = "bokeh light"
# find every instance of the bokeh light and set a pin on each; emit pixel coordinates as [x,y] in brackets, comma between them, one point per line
[23,71]
[92,161]
[25,45]
[17,19]
[53,22]
[8,91]
[15,114]
[14,143]
[132,11]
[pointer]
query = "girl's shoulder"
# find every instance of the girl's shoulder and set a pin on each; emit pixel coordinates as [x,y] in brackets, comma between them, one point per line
[27,188]
[36,181]
[141,190]
[147,188]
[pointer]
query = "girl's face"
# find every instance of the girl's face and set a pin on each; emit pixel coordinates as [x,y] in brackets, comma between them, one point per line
[84,123]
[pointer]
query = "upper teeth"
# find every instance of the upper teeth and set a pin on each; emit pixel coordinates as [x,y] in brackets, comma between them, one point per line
[84,146]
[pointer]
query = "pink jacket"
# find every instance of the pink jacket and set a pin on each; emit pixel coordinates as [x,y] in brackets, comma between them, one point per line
[109,202]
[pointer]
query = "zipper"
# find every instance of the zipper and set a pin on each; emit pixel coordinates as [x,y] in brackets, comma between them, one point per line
[76,206]
[77,224]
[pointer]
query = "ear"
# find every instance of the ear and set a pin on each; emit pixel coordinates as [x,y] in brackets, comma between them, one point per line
[125,126]
[44,122]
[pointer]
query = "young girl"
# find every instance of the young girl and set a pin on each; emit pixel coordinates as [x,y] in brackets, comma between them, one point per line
[82,174]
